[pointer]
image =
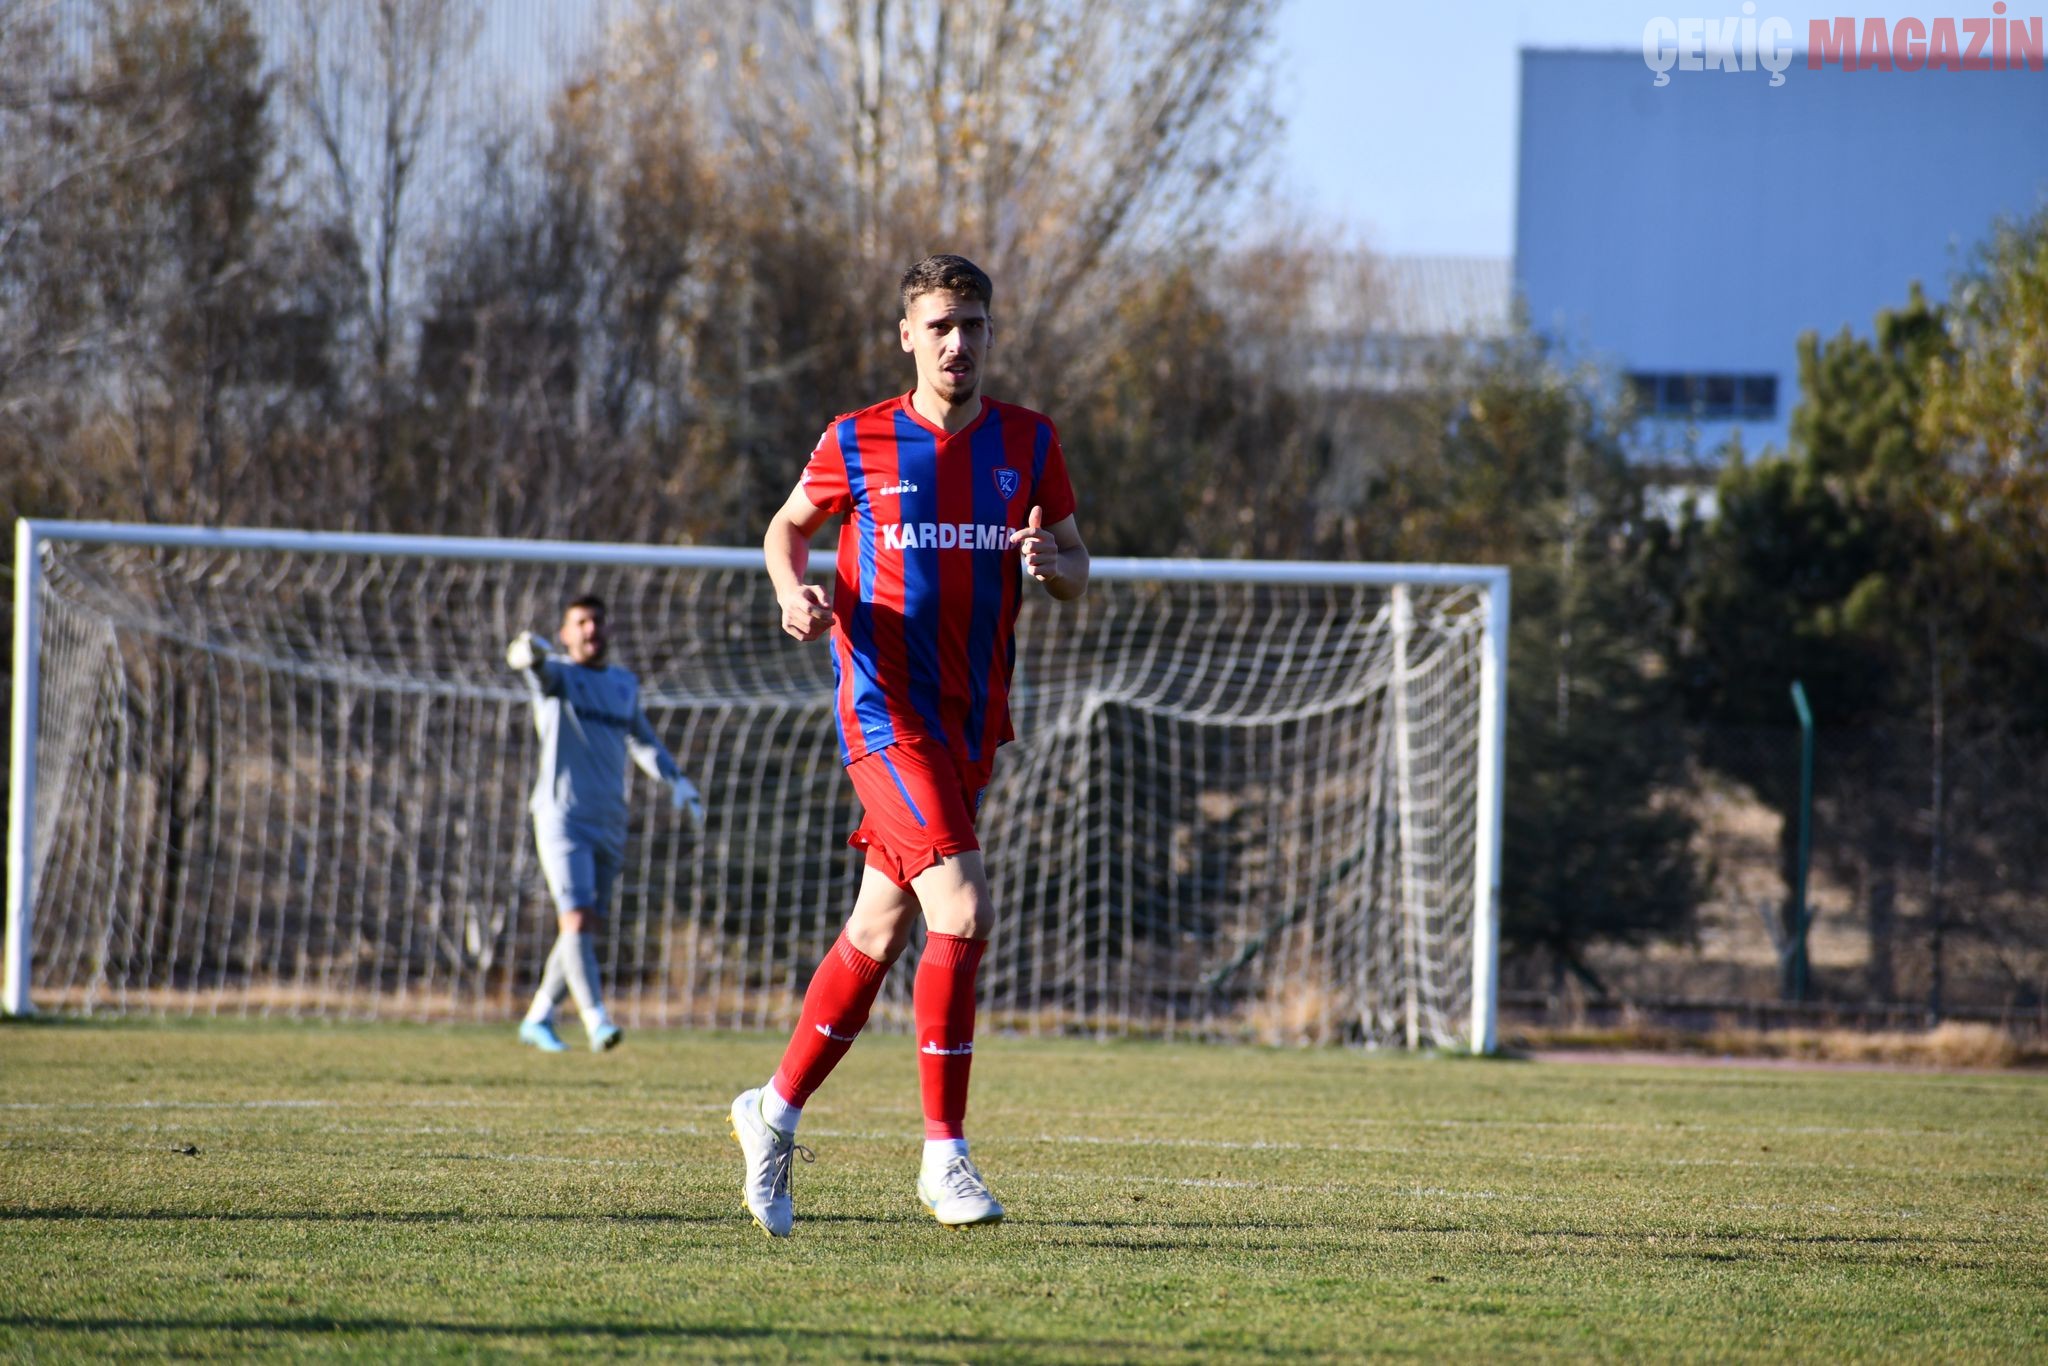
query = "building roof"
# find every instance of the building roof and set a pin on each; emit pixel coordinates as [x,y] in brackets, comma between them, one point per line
[1445,296]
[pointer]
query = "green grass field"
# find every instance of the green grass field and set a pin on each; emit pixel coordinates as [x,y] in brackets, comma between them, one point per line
[208,1189]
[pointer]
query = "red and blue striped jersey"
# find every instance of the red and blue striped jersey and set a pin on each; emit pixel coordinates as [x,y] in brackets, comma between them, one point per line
[924,637]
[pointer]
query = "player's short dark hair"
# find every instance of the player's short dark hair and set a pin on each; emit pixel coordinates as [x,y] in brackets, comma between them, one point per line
[590,602]
[945,274]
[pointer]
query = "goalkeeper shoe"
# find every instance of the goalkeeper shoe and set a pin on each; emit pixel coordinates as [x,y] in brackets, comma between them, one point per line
[769,1153]
[956,1194]
[541,1034]
[606,1037]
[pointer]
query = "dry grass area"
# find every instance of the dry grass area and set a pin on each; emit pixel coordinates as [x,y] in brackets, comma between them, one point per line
[1953,1045]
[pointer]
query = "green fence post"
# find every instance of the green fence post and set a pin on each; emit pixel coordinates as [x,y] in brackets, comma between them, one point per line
[1795,953]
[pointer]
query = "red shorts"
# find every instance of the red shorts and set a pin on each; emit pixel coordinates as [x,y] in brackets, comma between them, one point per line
[918,805]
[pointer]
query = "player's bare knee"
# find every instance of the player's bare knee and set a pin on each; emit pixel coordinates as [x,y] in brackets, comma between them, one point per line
[882,938]
[955,896]
[883,917]
[963,908]
[969,916]
[577,921]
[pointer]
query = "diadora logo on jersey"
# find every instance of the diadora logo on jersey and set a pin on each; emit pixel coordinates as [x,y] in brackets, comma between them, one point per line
[1007,481]
[945,536]
[828,1032]
[905,487]
[964,1050]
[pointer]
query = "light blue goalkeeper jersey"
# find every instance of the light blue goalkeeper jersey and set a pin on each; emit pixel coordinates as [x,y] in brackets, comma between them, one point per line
[588,720]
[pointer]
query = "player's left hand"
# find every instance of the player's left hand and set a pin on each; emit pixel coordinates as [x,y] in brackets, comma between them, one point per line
[686,799]
[1040,552]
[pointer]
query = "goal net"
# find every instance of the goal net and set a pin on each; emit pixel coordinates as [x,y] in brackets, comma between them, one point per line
[287,772]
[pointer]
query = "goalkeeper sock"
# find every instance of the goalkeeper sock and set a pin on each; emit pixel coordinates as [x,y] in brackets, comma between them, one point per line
[554,985]
[942,1003]
[579,965]
[836,1005]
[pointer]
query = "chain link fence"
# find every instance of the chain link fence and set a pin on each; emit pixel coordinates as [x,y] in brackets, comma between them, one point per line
[1927,888]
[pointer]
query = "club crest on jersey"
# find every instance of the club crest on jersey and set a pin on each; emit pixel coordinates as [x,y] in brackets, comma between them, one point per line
[1007,481]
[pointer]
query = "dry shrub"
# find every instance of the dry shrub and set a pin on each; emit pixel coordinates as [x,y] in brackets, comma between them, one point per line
[1614,1038]
[1973,1045]
[1953,1044]
[1293,1013]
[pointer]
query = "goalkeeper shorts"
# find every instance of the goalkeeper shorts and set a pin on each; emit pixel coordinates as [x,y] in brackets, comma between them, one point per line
[580,868]
[919,801]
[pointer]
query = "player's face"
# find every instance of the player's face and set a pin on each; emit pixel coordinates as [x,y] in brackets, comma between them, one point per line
[584,635]
[949,335]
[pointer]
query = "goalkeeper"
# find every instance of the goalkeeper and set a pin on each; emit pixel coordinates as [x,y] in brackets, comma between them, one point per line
[588,715]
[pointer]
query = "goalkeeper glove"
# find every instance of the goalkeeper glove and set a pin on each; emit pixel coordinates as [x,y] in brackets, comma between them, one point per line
[525,651]
[686,799]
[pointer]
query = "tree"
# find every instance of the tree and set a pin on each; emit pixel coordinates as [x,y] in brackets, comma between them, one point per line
[1890,560]
[370,84]
[145,284]
[1528,468]
[1815,569]
[1837,530]
[1985,416]
[1061,141]
[696,269]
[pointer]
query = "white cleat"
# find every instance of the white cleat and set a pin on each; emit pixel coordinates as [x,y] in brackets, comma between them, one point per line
[769,1153]
[957,1196]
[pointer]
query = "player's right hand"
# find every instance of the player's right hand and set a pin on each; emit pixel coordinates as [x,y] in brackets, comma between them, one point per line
[804,613]
[525,651]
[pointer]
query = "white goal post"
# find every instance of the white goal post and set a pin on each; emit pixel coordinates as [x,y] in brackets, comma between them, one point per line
[279,771]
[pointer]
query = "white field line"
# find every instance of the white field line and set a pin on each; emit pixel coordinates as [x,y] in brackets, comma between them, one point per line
[1057,1140]
[1891,1168]
[167,1105]
[1197,1183]
[288,1104]
[1171,1118]
[1162,1119]
[1418,1192]
[1225,1145]
[1970,1135]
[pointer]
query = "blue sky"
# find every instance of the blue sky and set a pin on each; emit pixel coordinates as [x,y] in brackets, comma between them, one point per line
[1401,117]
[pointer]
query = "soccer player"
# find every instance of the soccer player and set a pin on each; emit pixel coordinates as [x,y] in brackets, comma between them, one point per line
[946,495]
[588,715]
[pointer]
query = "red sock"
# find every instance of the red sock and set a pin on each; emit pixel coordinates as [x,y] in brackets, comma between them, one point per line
[841,994]
[942,999]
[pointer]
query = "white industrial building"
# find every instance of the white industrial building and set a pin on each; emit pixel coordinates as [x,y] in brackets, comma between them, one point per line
[1686,235]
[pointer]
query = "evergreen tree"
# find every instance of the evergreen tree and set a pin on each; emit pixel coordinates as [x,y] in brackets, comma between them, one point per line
[1531,471]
